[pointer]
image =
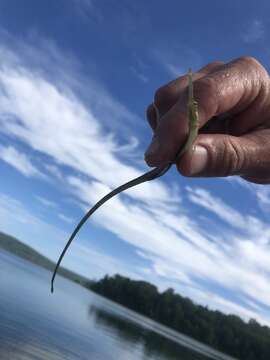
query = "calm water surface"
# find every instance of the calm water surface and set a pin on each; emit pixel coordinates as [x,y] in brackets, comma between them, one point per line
[74,323]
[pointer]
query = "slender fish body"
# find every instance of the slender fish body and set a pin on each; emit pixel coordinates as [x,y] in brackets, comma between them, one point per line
[155,173]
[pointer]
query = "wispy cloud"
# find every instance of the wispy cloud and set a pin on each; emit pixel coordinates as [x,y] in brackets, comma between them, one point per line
[139,75]
[140,68]
[46,202]
[175,59]
[226,213]
[66,218]
[248,225]
[254,31]
[16,220]
[263,197]
[86,9]
[19,161]
[261,193]
[63,130]
[54,171]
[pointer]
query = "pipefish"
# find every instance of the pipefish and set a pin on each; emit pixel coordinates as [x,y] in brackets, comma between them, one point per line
[193,120]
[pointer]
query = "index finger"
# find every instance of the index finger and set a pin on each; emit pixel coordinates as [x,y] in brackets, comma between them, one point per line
[234,88]
[167,95]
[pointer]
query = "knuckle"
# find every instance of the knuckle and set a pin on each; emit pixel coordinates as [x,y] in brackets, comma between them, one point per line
[205,87]
[206,93]
[163,96]
[252,63]
[249,60]
[233,156]
[226,156]
[260,79]
[213,65]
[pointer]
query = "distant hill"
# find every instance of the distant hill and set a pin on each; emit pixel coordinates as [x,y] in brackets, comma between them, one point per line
[16,247]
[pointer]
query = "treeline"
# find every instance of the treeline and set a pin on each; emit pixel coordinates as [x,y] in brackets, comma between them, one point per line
[226,333]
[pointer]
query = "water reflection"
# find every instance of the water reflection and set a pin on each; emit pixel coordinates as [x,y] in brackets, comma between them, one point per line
[75,323]
[153,344]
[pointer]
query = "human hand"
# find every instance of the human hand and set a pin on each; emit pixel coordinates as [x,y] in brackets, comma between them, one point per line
[234,120]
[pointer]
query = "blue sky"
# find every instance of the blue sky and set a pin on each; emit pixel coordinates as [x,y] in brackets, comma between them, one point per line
[75,79]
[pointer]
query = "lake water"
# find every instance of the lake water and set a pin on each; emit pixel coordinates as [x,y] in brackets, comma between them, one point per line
[74,323]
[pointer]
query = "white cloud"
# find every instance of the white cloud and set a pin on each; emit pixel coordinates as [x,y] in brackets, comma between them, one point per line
[254,31]
[261,193]
[226,213]
[174,70]
[176,59]
[143,78]
[54,171]
[19,161]
[66,218]
[65,131]
[96,264]
[249,225]
[17,220]
[46,202]
[86,10]
[264,195]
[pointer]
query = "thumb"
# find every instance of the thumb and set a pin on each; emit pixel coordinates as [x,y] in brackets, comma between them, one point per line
[225,155]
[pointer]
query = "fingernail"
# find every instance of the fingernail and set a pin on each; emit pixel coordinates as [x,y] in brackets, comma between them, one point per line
[199,160]
[152,149]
